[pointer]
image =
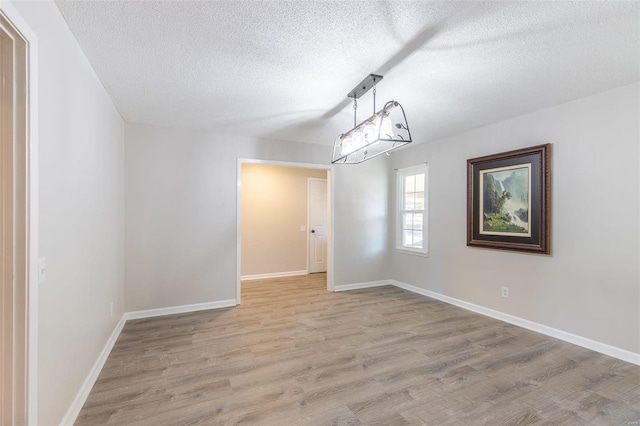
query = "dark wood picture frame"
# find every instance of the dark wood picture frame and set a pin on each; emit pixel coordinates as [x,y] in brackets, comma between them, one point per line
[489,223]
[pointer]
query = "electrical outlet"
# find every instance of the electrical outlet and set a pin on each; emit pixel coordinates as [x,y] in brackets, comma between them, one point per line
[505,292]
[111,308]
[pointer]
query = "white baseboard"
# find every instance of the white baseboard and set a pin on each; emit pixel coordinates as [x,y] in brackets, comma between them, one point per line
[149,313]
[356,286]
[73,411]
[273,275]
[85,389]
[603,348]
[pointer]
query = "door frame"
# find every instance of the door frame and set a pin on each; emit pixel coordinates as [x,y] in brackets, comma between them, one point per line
[309,179]
[330,203]
[23,143]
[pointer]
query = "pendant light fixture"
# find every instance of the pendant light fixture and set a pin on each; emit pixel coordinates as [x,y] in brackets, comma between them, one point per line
[385,130]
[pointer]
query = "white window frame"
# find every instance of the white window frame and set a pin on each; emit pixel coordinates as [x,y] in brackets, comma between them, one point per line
[400,179]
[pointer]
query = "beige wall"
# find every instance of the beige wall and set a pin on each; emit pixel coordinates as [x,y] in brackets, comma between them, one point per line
[274,207]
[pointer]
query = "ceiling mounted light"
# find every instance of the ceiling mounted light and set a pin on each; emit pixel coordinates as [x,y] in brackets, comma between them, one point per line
[385,130]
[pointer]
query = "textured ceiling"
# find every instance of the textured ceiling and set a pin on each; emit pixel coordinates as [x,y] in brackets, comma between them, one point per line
[282,69]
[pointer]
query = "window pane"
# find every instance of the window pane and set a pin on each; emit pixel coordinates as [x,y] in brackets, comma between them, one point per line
[407,221]
[417,222]
[407,238]
[419,201]
[410,201]
[420,182]
[417,239]
[409,183]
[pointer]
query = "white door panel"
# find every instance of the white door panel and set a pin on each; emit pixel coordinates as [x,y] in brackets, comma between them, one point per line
[317,196]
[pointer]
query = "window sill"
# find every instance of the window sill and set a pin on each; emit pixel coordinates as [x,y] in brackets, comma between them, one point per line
[412,252]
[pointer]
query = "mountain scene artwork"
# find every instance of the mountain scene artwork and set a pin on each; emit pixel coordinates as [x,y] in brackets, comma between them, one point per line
[505,202]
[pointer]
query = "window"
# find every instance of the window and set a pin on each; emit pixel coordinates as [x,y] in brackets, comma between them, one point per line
[411,231]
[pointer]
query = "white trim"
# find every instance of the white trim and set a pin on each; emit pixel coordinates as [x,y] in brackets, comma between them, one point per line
[273,275]
[285,164]
[73,411]
[603,348]
[238,230]
[400,175]
[356,286]
[412,252]
[150,313]
[78,402]
[331,204]
[330,230]
[307,227]
[33,197]
[81,397]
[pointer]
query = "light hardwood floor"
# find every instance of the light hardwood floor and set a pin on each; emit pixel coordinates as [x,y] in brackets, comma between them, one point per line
[295,354]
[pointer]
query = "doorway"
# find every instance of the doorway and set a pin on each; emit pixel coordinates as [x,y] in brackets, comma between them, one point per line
[261,228]
[18,190]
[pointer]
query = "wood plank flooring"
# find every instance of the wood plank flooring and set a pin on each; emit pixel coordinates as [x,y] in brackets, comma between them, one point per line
[295,354]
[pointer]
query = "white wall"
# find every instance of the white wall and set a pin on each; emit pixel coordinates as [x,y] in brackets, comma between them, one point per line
[181,214]
[590,285]
[274,207]
[361,222]
[81,212]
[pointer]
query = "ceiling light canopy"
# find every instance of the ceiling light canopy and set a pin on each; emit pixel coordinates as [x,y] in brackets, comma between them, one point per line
[385,130]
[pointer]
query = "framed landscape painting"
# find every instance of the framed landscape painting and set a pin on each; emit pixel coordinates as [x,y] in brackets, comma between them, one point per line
[508,200]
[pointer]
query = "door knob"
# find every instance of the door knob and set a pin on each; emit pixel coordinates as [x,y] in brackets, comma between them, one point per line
[313,231]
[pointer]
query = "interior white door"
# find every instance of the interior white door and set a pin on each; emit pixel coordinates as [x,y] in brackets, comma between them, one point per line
[317,212]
